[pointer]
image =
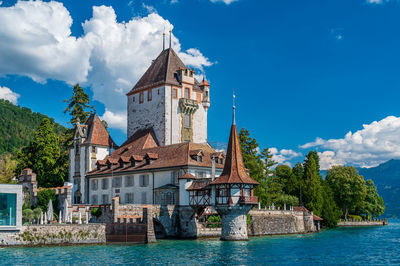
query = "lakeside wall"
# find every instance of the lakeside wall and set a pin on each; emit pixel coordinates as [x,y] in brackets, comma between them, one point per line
[363,223]
[54,234]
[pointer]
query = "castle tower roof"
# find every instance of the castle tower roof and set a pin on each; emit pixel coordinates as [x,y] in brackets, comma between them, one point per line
[234,171]
[162,71]
[97,133]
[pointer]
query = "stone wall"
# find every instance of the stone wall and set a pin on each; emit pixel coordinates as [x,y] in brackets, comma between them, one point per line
[55,234]
[268,222]
[363,223]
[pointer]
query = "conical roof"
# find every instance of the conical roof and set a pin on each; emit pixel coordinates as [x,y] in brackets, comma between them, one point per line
[97,133]
[162,71]
[234,171]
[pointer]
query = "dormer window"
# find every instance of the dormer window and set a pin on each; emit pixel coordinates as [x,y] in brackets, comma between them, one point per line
[221,161]
[199,158]
[150,157]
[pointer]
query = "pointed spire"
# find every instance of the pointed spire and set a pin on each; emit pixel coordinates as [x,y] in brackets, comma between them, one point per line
[170,38]
[233,109]
[163,41]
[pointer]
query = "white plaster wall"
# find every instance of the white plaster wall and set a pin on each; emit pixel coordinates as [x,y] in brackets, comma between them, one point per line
[71,165]
[148,114]
[84,154]
[135,189]
[200,125]
[175,117]
[102,152]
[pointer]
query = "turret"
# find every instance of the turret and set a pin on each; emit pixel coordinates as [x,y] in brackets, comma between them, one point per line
[205,87]
[233,190]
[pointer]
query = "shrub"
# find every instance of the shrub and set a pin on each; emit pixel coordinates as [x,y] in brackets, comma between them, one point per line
[27,215]
[43,198]
[214,221]
[96,212]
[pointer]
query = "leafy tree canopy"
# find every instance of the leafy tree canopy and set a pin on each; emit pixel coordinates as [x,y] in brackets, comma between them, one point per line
[348,187]
[43,156]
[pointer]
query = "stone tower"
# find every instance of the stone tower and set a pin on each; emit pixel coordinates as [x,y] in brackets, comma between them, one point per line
[232,191]
[170,100]
[91,143]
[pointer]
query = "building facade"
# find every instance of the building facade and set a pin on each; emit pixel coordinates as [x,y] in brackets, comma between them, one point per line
[92,142]
[170,100]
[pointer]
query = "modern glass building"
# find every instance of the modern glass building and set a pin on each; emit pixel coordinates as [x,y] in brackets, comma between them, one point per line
[10,207]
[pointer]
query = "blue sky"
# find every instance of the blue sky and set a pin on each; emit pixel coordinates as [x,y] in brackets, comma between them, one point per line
[306,73]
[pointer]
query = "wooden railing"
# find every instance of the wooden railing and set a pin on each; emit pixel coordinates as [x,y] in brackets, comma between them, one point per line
[231,200]
[248,200]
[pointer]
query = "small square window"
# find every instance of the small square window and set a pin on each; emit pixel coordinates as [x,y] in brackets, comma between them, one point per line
[133,99]
[175,93]
[149,95]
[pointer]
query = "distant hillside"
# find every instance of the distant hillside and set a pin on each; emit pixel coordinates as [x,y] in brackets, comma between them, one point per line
[386,177]
[17,126]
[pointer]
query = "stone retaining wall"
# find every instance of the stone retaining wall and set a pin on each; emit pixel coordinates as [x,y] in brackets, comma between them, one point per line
[55,234]
[362,223]
[267,222]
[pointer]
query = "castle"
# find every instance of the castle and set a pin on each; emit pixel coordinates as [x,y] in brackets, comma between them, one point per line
[167,142]
[166,162]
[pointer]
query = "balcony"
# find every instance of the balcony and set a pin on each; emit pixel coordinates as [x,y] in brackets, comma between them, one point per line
[248,200]
[188,106]
[233,200]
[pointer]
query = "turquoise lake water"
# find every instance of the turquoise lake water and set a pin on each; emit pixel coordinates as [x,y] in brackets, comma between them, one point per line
[340,246]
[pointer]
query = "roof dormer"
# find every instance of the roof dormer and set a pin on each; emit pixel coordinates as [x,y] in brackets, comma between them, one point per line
[197,155]
[149,157]
[135,158]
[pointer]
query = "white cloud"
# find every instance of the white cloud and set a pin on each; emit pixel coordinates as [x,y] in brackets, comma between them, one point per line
[224,1]
[283,156]
[373,144]
[375,1]
[109,57]
[7,94]
[115,120]
[1,2]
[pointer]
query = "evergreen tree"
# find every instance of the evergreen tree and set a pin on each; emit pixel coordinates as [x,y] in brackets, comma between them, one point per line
[348,188]
[330,211]
[78,106]
[258,164]
[373,203]
[42,156]
[298,172]
[312,186]
[288,180]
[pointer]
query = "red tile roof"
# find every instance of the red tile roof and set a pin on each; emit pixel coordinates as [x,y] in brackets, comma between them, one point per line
[204,83]
[234,171]
[316,218]
[97,133]
[162,156]
[187,176]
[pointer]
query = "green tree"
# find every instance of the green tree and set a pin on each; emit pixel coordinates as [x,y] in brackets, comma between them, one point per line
[373,203]
[257,163]
[298,172]
[78,106]
[311,187]
[43,156]
[330,211]
[7,169]
[289,200]
[288,179]
[348,187]
[43,198]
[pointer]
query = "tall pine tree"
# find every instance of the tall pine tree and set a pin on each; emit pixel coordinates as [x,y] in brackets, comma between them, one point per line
[78,106]
[311,186]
